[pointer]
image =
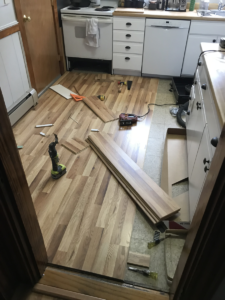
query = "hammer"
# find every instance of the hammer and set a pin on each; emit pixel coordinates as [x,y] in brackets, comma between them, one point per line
[121,85]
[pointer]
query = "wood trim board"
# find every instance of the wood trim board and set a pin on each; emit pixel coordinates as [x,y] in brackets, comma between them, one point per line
[62,293]
[97,288]
[61,90]
[8,31]
[138,259]
[75,145]
[143,190]
[100,109]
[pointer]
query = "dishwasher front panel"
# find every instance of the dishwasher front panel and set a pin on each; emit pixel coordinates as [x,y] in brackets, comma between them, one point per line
[164,47]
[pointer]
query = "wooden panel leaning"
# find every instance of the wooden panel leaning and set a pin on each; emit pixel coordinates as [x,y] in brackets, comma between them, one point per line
[100,109]
[144,191]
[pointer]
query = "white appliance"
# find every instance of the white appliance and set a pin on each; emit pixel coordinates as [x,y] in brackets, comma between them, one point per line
[74,31]
[164,47]
[18,95]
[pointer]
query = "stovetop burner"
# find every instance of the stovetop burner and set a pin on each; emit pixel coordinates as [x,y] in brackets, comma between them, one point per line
[73,8]
[108,7]
[102,9]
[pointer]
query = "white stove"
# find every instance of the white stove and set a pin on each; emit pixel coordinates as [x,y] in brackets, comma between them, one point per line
[88,11]
[74,23]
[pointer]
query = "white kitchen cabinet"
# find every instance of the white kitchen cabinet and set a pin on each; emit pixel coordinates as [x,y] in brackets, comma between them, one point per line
[200,32]
[198,176]
[202,124]
[164,47]
[193,51]
[128,38]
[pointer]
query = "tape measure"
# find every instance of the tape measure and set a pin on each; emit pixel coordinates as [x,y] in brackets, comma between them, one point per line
[101,97]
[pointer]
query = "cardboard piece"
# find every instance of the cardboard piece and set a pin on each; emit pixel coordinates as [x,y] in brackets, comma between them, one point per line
[61,90]
[138,259]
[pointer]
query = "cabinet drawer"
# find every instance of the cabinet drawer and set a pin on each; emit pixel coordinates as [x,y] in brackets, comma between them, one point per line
[129,23]
[198,176]
[207,27]
[210,109]
[122,47]
[127,61]
[128,36]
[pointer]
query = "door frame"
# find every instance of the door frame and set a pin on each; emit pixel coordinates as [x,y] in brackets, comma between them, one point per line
[20,233]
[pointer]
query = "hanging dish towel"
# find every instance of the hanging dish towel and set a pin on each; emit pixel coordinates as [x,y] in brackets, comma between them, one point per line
[92,33]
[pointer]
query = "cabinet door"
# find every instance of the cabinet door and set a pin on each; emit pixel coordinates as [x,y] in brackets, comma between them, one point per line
[195,126]
[198,176]
[193,50]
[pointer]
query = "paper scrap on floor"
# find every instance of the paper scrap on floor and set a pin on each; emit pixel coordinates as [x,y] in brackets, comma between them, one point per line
[61,90]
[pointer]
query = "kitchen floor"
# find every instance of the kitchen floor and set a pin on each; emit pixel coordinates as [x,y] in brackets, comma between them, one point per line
[143,230]
[73,223]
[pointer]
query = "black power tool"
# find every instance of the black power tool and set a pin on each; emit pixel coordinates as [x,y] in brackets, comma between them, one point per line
[58,170]
[130,119]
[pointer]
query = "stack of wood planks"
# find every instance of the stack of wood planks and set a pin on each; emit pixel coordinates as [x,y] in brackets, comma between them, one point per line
[155,203]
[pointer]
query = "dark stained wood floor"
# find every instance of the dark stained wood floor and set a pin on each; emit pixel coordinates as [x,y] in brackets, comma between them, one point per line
[86,217]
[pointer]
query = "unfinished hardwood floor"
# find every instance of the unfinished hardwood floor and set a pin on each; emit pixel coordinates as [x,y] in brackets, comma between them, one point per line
[86,217]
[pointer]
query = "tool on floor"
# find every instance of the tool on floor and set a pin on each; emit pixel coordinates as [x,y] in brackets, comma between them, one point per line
[127,119]
[42,133]
[19,147]
[58,170]
[45,125]
[101,97]
[156,242]
[129,83]
[148,273]
[77,97]
[121,83]
[95,130]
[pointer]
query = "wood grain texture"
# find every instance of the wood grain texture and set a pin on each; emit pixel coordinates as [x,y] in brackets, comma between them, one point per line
[10,30]
[138,259]
[86,216]
[100,289]
[41,41]
[61,293]
[148,195]
[100,109]
[75,145]
[161,14]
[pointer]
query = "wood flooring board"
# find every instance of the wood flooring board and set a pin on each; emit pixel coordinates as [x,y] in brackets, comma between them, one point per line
[98,288]
[101,110]
[138,259]
[70,211]
[158,202]
[74,145]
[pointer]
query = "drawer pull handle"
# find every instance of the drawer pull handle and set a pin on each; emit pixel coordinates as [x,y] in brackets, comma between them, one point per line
[199,106]
[188,112]
[205,161]
[127,58]
[128,24]
[199,63]
[206,169]
[128,35]
[214,141]
[214,41]
[204,86]
[127,47]
[195,81]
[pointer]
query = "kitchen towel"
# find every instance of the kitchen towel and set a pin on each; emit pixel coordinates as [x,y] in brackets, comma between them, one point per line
[92,33]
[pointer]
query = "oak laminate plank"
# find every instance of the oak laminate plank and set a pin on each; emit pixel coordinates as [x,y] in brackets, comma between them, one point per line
[138,259]
[101,110]
[75,145]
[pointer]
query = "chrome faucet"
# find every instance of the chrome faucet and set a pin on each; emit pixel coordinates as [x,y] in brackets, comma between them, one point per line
[221,5]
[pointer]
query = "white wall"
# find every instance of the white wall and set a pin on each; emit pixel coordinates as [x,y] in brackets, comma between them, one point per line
[7,14]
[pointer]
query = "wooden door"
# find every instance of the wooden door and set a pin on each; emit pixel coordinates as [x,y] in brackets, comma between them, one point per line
[41,40]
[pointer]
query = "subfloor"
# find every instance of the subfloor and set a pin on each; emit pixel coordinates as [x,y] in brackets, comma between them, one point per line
[143,230]
[86,217]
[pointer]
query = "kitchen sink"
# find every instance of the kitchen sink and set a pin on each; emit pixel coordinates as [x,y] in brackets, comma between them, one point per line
[210,13]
